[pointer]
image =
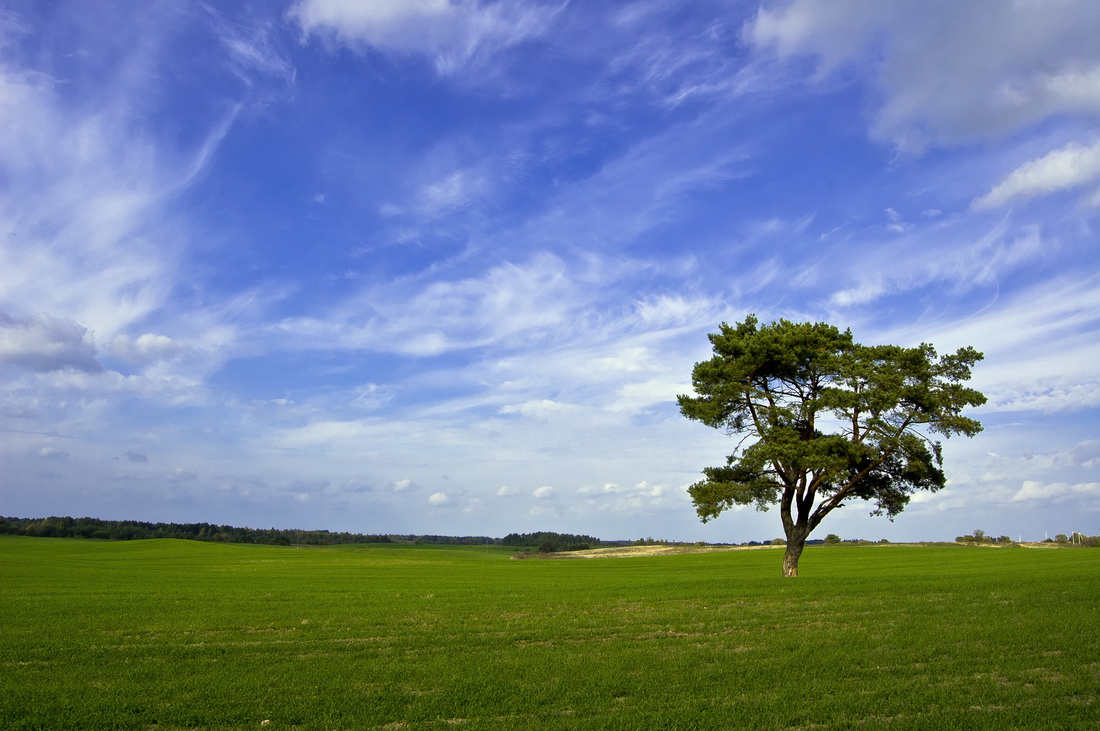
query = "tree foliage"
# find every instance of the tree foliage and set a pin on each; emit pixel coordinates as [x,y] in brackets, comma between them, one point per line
[550,542]
[822,419]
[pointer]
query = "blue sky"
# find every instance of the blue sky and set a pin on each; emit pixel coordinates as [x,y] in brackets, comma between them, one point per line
[443,267]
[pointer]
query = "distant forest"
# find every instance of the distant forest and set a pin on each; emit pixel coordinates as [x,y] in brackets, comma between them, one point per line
[130,530]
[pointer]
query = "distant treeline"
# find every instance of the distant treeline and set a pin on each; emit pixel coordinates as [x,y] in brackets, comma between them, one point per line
[548,542]
[130,530]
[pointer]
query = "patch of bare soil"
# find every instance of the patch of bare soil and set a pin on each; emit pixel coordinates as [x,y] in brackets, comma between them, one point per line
[632,551]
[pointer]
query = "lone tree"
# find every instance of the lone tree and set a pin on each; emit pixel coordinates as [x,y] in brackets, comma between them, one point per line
[822,419]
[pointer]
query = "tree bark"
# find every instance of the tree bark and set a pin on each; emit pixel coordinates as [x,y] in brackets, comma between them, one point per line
[796,530]
[791,556]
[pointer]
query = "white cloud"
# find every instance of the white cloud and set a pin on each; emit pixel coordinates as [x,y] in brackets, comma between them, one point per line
[1033,490]
[439,498]
[89,228]
[867,291]
[1085,454]
[181,475]
[966,71]
[1040,339]
[1064,169]
[451,32]
[412,317]
[609,488]
[540,409]
[960,260]
[641,498]
[146,349]
[332,434]
[253,51]
[53,453]
[45,343]
[96,386]
[896,223]
[673,310]
[543,493]
[456,190]
[372,396]
[633,397]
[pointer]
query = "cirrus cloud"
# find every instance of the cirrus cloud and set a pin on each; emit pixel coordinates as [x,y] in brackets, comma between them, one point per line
[451,33]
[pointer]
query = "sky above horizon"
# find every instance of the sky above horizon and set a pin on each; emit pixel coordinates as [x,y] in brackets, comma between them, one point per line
[442,267]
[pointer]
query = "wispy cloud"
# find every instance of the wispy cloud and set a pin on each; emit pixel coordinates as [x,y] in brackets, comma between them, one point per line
[1072,166]
[451,34]
[359,262]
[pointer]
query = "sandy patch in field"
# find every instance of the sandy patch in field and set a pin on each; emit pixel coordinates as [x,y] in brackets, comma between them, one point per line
[631,551]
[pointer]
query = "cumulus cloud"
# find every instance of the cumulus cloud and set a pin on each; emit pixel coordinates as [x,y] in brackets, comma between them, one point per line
[1070,167]
[438,498]
[352,486]
[543,493]
[642,489]
[541,409]
[1086,453]
[451,32]
[1047,397]
[1034,490]
[643,497]
[609,488]
[46,343]
[145,349]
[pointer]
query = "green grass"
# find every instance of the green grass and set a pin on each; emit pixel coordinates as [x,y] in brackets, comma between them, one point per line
[171,634]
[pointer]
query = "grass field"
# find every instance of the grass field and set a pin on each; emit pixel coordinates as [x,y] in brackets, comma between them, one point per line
[172,634]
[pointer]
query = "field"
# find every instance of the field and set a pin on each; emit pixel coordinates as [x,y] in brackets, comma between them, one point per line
[179,635]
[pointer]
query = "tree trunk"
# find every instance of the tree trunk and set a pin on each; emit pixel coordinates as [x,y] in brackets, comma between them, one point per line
[790,558]
[795,530]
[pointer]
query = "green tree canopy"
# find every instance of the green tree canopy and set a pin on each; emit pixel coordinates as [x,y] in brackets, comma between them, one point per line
[821,419]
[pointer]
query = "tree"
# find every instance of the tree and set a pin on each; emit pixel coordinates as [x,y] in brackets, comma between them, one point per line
[822,420]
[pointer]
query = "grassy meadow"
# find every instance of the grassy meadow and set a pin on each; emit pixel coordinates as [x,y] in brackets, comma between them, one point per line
[167,634]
